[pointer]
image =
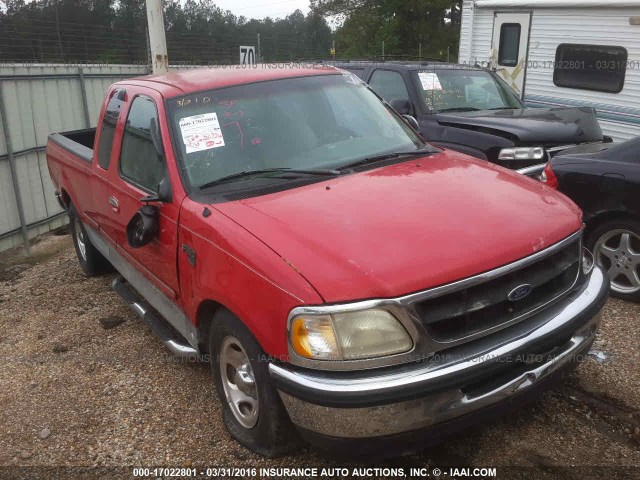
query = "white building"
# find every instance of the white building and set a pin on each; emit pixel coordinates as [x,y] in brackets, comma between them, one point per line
[562,53]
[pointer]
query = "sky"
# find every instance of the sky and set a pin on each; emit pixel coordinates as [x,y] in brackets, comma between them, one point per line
[266,8]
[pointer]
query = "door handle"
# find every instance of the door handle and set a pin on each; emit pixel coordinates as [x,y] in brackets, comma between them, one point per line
[115,205]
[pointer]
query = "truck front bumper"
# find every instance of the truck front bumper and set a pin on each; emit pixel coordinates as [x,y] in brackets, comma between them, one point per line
[436,391]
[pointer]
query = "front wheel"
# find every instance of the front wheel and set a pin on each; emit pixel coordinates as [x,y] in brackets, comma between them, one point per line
[616,247]
[251,408]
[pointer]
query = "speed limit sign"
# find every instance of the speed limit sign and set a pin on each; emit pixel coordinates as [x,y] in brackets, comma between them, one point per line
[247,55]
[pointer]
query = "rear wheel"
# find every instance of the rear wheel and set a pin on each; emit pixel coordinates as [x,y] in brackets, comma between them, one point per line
[616,247]
[251,408]
[91,260]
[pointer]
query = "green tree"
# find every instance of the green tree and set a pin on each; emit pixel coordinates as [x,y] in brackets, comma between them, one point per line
[115,31]
[403,26]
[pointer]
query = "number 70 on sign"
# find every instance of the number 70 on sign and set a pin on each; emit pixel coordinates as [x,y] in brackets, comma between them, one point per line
[247,55]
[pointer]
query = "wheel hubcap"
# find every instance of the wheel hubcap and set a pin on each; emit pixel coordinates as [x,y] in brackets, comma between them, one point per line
[618,251]
[82,246]
[239,382]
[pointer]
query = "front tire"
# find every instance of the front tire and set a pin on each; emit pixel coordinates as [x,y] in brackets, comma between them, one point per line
[90,259]
[251,408]
[616,247]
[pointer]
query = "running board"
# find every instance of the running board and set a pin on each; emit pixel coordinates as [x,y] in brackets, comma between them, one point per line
[172,340]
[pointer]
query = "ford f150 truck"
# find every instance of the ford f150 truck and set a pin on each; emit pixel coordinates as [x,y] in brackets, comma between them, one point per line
[472,110]
[340,274]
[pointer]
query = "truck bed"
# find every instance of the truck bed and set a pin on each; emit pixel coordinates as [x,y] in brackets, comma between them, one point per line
[78,142]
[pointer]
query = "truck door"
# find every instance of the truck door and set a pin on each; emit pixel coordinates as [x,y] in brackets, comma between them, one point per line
[106,147]
[510,47]
[140,169]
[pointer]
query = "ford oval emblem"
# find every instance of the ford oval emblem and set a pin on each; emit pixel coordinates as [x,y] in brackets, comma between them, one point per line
[520,292]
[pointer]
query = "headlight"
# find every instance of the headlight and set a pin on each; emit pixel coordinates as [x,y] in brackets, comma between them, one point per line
[587,261]
[522,153]
[349,335]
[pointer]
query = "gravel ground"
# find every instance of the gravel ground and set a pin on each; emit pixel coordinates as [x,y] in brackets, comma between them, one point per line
[74,393]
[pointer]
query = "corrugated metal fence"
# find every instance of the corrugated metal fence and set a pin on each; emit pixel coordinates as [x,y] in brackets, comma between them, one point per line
[36,100]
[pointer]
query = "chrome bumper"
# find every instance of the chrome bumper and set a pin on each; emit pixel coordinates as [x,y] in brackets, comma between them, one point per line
[533,171]
[372,404]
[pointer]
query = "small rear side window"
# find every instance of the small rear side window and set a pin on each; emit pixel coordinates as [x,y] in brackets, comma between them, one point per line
[509,44]
[107,133]
[599,68]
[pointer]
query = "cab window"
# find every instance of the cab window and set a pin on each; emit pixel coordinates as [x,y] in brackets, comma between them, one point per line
[108,130]
[140,162]
[389,85]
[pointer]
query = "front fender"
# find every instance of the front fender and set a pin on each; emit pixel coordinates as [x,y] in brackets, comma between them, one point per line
[238,271]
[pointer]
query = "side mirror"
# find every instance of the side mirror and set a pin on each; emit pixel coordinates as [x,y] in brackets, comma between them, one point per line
[164,190]
[143,227]
[164,193]
[413,123]
[403,107]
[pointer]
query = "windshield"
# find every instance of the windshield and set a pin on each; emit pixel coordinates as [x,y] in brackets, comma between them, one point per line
[458,89]
[317,122]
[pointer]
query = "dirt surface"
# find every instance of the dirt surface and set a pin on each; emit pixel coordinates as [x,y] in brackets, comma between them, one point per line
[84,382]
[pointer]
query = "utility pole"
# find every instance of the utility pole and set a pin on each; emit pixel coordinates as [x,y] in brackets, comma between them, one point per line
[157,39]
[420,51]
[259,52]
[383,50]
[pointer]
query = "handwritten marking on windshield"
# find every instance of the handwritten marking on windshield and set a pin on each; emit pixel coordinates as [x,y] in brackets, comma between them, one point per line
[237,124]
[239,113]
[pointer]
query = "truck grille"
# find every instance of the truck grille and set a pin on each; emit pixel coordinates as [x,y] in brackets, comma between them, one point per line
[486,307]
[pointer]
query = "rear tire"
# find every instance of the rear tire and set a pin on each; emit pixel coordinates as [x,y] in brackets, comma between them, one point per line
[251,408]
[91,261]
[616,247]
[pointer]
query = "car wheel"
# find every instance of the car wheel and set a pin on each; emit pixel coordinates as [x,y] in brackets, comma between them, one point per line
[91,260]
[616,247]
[251,408]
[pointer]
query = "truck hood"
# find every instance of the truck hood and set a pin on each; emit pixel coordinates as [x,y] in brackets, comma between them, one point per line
[542,126]
[407,227]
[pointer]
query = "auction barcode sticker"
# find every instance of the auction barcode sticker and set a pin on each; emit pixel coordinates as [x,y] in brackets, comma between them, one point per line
[429,81]
[201,132]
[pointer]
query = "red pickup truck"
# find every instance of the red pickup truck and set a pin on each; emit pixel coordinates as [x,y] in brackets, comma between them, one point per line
[340,274]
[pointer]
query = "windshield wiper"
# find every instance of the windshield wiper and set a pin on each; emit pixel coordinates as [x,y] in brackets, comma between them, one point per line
[459,109]
[256,173]
[386,156]
[505,108]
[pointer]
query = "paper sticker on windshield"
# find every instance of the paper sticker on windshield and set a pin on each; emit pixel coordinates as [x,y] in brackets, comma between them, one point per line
[429,81]
[201,132]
